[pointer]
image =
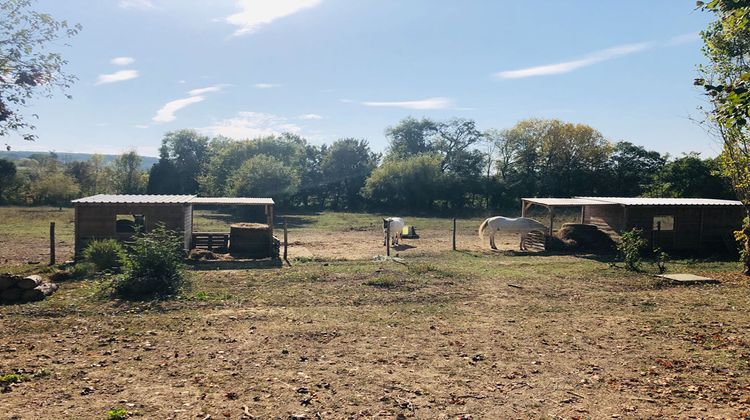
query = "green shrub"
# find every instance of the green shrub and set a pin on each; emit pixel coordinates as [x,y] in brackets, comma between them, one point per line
[117,414]
[106,254]
[155,267]
[631,248]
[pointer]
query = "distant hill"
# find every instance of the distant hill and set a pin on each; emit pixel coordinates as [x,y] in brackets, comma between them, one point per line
[64,157]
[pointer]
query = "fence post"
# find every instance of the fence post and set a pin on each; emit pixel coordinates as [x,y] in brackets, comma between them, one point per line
[52,243]
[285,241]
[388,240]
[454,233]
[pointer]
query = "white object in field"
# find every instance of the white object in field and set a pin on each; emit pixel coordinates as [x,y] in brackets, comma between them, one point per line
[522,225]
[396,226]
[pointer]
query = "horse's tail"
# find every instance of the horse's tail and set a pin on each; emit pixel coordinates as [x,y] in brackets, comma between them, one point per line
[482,227]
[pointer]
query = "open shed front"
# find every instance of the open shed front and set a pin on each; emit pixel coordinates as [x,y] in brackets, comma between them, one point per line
[120,217]
[677,224]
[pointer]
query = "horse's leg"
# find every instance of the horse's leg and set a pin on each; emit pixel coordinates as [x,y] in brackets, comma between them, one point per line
[522,247]
[492,241]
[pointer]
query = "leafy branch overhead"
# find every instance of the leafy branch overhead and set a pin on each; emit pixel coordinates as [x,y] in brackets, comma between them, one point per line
[726,81]
[28,65]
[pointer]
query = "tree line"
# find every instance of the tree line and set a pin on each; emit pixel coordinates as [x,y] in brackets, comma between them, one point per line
[429,166]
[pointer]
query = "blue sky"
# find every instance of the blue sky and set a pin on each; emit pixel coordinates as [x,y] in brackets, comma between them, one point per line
[327,69]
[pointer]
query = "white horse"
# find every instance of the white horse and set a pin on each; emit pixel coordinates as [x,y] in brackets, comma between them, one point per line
[522,225]
[396,225]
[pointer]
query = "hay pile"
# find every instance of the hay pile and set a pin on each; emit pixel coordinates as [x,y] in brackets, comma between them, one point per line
[584,237]
[19,289]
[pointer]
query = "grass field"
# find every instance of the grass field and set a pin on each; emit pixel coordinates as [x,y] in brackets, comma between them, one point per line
[472,334]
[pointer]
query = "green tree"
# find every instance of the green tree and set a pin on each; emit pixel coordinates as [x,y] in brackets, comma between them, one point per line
[7,178]
[407,184]
[264,176]
[312,181]
[54,188]
[187,152]
[85,175]
[228,155]
[28,65]
[453,139]
[163,178]
[726,80]
[126,176]
[346,166]
[410,137]
[690,177]
[632,169]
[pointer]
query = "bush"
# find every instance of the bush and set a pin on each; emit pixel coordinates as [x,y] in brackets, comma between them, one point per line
[155,267]
[631,247]
[107,254]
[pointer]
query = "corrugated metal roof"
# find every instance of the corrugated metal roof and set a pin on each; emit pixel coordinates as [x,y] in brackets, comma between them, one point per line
[134,199]
[656,201]
[576,201]
[232,200]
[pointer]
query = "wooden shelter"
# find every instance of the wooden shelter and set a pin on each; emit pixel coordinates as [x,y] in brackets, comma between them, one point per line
[119,217]
[678,224]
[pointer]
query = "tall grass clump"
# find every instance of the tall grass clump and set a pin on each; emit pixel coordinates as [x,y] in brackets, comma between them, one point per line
[155,267]
[106,254]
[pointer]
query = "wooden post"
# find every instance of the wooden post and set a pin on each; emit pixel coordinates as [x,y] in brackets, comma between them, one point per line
[583,214]
[269,220]
[51,243]
[551,219]
[285,240]
[700,231]
[210,242]
[454,233]
[388,240]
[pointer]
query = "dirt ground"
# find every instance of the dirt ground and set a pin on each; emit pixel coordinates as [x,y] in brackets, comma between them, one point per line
[357,245]
[467,334]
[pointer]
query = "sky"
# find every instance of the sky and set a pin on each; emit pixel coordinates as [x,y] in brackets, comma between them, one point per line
[327,69]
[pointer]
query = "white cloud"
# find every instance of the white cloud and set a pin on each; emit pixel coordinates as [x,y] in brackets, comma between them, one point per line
[118,76]
[266,85]
[568,66]
[429,103]
[136,4]
[122,61]
[208,89]
[256,13]
[310,117]
[166,113]
[247,125]
[683,39]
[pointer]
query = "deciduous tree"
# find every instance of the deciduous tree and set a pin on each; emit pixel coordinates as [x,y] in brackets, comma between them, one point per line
[29,66]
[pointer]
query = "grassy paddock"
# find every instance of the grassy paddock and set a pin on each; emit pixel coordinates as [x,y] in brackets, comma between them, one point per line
[443,335]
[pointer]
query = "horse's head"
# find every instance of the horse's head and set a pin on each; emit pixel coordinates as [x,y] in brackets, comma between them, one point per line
[385,223]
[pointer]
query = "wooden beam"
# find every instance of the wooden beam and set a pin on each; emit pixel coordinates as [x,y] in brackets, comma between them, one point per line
[52,243]
[551,219]
[454,233]
[269,219]
[700,231]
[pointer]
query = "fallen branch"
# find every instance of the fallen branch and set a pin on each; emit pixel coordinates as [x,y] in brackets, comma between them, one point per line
[515,285]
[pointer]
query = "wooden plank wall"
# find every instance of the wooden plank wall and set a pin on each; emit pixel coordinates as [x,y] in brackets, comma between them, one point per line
[98,221]
[608,218]
[718,224]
